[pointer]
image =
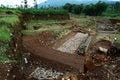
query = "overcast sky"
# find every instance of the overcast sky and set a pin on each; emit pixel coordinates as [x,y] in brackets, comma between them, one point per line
[19,2]
[30,2]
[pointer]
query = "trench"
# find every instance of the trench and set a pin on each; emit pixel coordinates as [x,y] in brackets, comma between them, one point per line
[50,58]
[16,52]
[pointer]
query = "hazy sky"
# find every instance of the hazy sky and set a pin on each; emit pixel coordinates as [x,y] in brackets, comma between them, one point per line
[30,2]
[19,2]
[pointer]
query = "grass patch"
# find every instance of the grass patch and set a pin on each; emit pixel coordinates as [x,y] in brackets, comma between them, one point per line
[51,26]
[34,22]
[4,32]
[84,21]
[13,19]
[3,48]
[7,22]
[118,37]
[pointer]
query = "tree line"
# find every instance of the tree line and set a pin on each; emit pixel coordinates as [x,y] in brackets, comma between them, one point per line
[91,9]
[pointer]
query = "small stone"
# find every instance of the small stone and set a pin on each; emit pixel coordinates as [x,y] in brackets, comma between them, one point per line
[7,74]
[14,76]
[8,70]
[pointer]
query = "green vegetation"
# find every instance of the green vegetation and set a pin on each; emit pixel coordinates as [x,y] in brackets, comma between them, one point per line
[47,26]
[118,37]
[98,9]
[4,33]
[85,22]
[8,20]
[33,22]
[113,11]
[43,11]
[91,9]
[3,48]
[95,9]
[6,23]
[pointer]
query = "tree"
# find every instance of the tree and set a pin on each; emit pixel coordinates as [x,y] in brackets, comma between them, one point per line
[77,9]
[89,10]
[100,7]
[35,4]
[117,7]
[95,9]
[68,7]
[25,4]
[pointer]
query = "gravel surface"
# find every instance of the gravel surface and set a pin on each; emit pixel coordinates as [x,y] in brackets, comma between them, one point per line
[73,43]
[42,74]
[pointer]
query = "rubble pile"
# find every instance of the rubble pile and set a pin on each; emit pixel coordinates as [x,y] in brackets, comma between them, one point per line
[106,67]
[42,73]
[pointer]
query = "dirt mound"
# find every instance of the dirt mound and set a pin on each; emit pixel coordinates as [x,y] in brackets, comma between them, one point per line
[44,38]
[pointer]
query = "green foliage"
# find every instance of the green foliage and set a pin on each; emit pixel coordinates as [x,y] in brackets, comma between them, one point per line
[68,7]
[95,9]
[77,9]
[112,11]
[118,37]
[117,7]
[73,8]
[42,11]
[10,19]
[4,31]
[91,9]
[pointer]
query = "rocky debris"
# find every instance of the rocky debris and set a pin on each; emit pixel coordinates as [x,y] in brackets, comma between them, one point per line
[42,73]
[83,48]
[114,50]
[107,71]
[100,65]
[71,45]
[5,70]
